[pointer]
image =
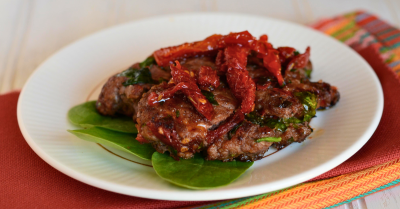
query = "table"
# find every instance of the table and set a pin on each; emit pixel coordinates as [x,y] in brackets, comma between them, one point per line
[32,30]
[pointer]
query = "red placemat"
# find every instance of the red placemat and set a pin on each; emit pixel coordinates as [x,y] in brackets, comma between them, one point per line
[26,181]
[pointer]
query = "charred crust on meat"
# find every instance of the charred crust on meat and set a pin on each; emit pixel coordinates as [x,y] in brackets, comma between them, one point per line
[174,124]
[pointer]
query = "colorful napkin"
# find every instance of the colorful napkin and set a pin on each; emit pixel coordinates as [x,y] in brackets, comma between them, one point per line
[27,181]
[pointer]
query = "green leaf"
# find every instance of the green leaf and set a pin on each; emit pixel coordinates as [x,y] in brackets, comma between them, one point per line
[135,76]
[269,139]
[308,73]
[122,141]
[279,124]
[197,173]
[177,113]
[309,101]
[210,97]
[291,120]
[266,121]
[147,62]
[85,115]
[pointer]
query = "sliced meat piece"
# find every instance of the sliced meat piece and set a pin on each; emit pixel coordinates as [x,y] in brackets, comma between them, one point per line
[298,79]
[294,133]
[177,124]
[327,95]
[277,102]
[196,63]
[115,98]
[297,76]
[160,74]
[243,145]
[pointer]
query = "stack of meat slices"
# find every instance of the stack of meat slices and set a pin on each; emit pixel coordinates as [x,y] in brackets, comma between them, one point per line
[228,97]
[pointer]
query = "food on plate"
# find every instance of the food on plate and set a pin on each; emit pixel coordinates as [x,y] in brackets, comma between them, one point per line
[228,98]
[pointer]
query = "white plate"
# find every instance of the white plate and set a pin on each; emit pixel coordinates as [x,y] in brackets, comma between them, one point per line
[71,75]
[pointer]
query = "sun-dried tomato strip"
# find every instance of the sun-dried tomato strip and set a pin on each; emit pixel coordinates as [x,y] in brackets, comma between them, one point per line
[208,46]
[244,39]
[208,77]
[285,53]
[212,44]
[240,83]
[167,135]
[167,55]
[152,99]
[181,74]
[141,139]
[264,39]
[188,86]
[230,123]
[273,64]
[299,61]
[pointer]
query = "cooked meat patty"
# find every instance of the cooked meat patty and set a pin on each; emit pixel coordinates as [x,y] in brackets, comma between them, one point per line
[194,110]
[242,145]
[176,123]
[117,98]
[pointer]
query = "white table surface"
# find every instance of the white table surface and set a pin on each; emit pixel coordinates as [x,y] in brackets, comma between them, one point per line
[32,30]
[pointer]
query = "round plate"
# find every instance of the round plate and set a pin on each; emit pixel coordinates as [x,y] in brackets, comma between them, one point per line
[70,76]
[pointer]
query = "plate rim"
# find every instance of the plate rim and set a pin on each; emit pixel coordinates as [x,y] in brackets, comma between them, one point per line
[213,194]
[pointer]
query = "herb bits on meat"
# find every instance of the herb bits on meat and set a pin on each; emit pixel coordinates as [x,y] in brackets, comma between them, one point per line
[228,97]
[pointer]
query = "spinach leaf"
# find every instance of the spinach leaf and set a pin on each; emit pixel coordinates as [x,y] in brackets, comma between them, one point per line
[309,101]
[197,173]
[85,115]
[122,141]
[141,76]
[210,97]
[177,113]
[147,62]
[269,139]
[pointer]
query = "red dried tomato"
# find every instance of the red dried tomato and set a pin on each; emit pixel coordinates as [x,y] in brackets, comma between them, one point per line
[285,53]
[167,55]
[208,77]
[187,84]
[168,136]
[215,42]
[210,45]
[299,61]
[273,64]
[230,123]
[240,83]
[141,139]
[244,39]
[262,46]
[152,99]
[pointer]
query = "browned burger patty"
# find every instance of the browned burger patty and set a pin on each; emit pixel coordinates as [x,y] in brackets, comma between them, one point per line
[242,145]
[116,98]
[188,129]
[174,125]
